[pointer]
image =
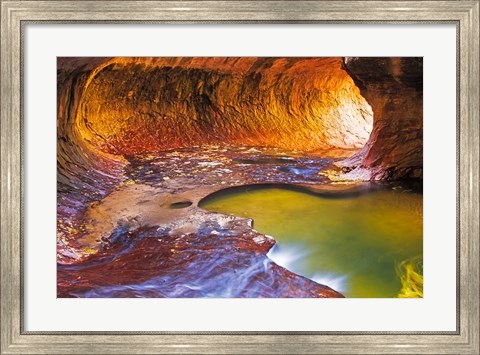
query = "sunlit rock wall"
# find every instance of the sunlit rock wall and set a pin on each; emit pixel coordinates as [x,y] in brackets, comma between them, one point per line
[108,107]
[84,175]
[138,105]
[394,89]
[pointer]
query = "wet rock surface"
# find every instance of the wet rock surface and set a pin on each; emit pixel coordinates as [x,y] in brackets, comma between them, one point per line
[228,165]
[149,238]
[214,262]
[136,154]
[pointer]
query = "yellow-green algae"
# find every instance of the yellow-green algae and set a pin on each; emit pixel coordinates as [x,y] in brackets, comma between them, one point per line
[411,275]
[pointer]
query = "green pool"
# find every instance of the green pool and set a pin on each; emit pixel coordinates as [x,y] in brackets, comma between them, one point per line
[350,242]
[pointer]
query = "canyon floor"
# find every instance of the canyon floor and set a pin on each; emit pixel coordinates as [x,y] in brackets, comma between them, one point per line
[149,237]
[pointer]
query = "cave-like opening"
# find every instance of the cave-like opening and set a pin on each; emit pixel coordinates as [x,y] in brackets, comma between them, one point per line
[141,105]
[143,140]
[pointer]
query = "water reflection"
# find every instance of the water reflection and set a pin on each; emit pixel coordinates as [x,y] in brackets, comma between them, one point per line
[353,242]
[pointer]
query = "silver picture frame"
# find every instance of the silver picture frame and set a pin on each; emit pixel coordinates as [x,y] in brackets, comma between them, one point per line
[16,14]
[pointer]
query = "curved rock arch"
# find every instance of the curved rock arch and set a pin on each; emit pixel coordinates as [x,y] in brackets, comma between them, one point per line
[139,105]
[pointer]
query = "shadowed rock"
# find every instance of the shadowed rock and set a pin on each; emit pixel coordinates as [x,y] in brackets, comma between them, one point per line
[394,89]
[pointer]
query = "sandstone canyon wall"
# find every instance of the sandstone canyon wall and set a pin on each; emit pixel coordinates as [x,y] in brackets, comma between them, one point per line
[394,89]
[139,105]
[111,107]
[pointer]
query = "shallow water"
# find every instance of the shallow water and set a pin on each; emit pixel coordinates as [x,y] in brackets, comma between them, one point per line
[351,243]
[145,237]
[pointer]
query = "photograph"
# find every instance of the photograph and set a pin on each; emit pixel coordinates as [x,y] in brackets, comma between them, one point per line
[240,177]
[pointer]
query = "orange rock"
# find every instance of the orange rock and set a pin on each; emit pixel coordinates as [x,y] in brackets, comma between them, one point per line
[138,105]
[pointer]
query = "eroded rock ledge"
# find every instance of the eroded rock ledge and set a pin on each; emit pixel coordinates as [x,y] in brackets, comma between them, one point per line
[152,239]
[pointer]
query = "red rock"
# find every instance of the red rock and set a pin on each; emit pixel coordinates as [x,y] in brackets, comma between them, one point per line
[110,107]
[394,89]
[186,266]
[138,105]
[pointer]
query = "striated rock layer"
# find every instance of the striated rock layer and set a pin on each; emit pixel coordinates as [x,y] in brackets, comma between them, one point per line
[138,105]
[394,89]
[84,175]
[107,113]
[113,112]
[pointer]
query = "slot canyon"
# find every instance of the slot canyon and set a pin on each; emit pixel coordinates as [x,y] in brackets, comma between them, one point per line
[239,177]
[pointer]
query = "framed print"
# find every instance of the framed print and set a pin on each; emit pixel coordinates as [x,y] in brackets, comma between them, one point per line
[240,177]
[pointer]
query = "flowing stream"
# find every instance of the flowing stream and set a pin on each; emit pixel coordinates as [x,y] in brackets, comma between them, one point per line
[147,237]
